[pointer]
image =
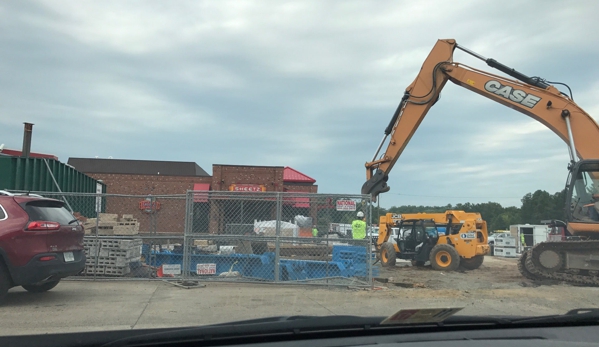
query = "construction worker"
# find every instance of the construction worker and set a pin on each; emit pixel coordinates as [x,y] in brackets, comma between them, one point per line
[314,231]
[358,227]
[522,242]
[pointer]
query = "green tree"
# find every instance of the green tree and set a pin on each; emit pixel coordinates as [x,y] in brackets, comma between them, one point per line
[538,206]
[509,216]
[559,205]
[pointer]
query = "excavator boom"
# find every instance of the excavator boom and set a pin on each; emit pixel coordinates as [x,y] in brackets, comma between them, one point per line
[573,260]
[531,96]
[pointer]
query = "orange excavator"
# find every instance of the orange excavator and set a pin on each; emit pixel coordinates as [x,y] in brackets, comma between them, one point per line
[574,259]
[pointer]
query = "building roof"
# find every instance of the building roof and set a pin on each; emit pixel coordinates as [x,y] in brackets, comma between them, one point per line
[257,166]
[292,175]
[137,167]
[17,153]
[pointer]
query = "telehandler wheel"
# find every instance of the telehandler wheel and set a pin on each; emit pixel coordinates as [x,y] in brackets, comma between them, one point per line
[388,255]
[444,258]
[472,263]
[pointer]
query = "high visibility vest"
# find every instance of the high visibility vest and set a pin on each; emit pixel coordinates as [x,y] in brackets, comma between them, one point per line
[522,240]
[358,229]
[314,232]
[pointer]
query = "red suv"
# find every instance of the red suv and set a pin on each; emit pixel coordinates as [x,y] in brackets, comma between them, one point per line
[40,243]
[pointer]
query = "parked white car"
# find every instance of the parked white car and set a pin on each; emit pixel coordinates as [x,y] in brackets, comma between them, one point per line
[496,236]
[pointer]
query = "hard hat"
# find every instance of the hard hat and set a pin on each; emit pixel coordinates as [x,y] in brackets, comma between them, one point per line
[360,214]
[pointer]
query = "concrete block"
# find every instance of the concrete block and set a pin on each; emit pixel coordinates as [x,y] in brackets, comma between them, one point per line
[108,217]
[128,223]
[201,242]
[116,271]
[125,230]
[105,231]
[125,253]
[127,217]
[97,270]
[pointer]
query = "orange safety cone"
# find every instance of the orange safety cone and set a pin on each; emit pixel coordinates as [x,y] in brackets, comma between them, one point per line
[160,273]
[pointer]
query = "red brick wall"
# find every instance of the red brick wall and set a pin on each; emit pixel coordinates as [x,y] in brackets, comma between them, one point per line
[300,187]
[171,216]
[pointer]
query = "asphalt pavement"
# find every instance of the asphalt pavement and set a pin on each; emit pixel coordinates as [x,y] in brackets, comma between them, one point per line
[115,305]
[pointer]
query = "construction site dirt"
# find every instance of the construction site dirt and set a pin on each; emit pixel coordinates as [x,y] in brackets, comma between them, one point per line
[495,273]
[496,288]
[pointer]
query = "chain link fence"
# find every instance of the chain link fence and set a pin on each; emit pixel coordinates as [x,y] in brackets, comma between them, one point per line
[226,236]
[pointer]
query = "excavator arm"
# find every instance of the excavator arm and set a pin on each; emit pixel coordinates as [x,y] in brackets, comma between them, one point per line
[529,95]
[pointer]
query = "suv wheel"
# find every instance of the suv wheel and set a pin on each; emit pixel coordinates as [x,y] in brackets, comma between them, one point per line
[40,288]
[4,282]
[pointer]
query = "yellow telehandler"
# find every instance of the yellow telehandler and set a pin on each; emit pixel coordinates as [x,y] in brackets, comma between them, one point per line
[448,240]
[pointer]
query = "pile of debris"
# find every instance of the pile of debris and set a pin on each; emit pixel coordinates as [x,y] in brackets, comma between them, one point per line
[110,224]
[111,257]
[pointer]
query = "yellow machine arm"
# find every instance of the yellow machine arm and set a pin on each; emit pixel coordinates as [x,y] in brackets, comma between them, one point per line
[530,95]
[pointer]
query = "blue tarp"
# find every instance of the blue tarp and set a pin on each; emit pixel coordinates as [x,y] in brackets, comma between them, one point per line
[348,261]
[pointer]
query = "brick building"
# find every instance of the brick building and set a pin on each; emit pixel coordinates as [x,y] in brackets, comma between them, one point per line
[148,178]
[153,178]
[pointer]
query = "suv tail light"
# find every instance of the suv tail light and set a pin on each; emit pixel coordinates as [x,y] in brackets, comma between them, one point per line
[42,226]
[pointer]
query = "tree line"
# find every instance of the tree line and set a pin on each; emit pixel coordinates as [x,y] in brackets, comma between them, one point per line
[536,207]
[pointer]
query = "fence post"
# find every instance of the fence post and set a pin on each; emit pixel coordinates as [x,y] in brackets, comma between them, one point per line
[369,253]
[277,236]
[96,240]
[187,231]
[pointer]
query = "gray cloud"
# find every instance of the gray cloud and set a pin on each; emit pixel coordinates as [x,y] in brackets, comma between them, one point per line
[306,84]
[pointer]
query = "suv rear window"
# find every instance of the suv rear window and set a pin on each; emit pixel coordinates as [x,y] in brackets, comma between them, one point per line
[46,210]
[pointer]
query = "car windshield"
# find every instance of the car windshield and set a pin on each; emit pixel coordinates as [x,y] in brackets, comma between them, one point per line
[185,163]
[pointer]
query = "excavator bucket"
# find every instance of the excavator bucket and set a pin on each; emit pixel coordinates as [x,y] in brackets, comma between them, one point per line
[376,185]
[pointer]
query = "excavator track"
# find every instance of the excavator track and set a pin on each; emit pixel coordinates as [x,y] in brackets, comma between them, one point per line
[532,263]
[522,267]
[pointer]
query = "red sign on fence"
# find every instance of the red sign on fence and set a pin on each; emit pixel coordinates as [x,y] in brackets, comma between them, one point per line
[149,206]
[206,269]
[346,205]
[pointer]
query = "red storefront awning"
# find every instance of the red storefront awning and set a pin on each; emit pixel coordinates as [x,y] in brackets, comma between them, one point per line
[201,187]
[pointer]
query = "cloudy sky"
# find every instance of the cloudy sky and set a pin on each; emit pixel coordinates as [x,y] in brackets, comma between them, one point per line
[307,84]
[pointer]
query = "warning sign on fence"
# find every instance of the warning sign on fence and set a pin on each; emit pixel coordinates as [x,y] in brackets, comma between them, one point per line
[171,269]
[206,269]
[346,205]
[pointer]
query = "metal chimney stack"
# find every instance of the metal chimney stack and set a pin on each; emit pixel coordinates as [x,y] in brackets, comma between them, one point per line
[27,139]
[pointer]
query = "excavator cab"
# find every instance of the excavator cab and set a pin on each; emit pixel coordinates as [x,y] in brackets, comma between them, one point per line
[583,198]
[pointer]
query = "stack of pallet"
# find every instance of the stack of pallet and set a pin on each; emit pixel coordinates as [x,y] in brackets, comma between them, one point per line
[110,224]
[111,257]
